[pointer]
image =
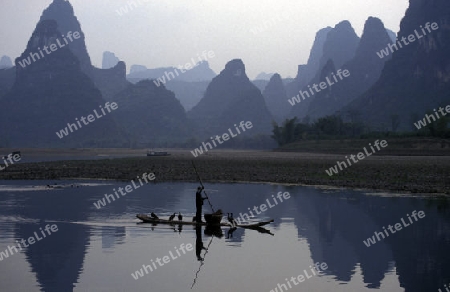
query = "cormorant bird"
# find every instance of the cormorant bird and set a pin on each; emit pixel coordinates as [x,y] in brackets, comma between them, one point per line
[194,219]
[153,215]
[171,217]
[231,219]
[180,218]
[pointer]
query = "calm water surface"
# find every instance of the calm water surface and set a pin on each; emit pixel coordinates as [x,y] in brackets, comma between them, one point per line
[99,249]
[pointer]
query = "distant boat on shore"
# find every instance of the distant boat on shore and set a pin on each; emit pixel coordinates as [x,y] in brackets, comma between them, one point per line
[157,153]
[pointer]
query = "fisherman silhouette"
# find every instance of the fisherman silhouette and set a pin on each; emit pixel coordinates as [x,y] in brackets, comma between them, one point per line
[199,243]
[199,203]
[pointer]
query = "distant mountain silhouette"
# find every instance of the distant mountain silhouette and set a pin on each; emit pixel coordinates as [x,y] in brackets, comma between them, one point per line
[109,60]
[188,93]
[151,115]
[339,47]
[137,68]
[189,87]
[365,69]
[7,77]
[62,12]
[111,81]
[326,71]
[261,84]
[417,78]
[264,76]
[275,97]
[307,72]
[392,35]
[5,62]
[201,72]
[231,98]
[48,94]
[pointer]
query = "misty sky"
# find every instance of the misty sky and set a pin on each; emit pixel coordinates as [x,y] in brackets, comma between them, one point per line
[167,33]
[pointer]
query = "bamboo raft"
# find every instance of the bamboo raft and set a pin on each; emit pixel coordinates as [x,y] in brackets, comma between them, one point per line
[148,219]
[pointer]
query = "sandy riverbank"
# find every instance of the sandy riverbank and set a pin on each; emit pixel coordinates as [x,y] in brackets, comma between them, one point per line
[417,174]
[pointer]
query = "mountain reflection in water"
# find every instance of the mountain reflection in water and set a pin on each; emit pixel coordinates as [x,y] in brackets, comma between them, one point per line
[97,250]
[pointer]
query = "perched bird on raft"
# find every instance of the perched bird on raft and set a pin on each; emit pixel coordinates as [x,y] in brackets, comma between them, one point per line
[231,219]
[180,218]
[171,217]
[153,215]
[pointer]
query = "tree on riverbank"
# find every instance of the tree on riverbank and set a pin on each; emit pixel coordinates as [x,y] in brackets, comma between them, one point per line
[333,127]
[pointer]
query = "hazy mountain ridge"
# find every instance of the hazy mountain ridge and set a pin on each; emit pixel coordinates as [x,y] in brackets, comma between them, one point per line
[307,72]
[151,115]
[229,99]
[48,94]
[109,60]
[415,81]
[417,78]
[275,96]
[5,62]
[188,93]
[200,72]
[62,12]
[7,77]
[365,69]
[264,76]
[110,81]
[343,37]
[340,45]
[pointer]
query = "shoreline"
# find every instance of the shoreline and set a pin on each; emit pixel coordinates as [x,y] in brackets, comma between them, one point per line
[403,174]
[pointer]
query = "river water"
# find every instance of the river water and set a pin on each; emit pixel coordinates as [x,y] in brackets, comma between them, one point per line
[102,249]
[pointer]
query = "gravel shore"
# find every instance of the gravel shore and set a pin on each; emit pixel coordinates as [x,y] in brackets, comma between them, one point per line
[415,174]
